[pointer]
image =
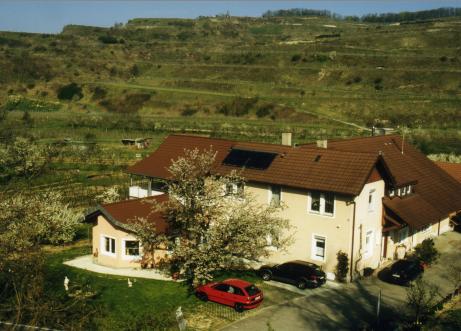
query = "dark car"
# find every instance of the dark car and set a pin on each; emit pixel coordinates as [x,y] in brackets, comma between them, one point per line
[404,271]
[300,273]
[236,293]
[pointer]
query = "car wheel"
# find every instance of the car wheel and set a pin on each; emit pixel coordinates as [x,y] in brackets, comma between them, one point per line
[301,285]
[266,275]
[238,307]
[202,296]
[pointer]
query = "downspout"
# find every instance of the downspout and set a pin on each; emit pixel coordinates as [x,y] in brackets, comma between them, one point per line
[352,247]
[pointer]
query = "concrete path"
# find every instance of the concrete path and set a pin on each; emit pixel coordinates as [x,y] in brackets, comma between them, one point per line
[86,263]
[351,306]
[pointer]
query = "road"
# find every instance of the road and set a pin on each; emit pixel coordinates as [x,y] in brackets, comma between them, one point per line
[351,306]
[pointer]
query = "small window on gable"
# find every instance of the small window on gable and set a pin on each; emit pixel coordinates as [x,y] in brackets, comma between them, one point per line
[408,189]
[371,200]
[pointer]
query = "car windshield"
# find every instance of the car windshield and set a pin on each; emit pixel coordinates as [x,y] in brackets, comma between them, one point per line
[252,290]
[401,265]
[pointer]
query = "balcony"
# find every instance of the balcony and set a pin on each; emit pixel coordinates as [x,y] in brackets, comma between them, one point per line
[139,192]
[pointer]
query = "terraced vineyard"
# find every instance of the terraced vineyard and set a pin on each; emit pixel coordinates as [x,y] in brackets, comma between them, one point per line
[244,78]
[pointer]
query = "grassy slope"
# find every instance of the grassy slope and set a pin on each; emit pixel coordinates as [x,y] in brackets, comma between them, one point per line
[321,74]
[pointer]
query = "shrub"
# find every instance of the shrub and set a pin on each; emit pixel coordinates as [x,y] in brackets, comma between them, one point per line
[238,107]
[188,111]
[342,267]
[264,110]
[108,39]
[296,58]
[70,91]
[99,93]
[131,103]
[426,251]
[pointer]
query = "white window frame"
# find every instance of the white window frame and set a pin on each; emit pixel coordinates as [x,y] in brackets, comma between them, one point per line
[408,189]
[269,200]
[103,246]
[130,257]
[314,247]
[368,251]
[371,204]
[391,192]
[321,211]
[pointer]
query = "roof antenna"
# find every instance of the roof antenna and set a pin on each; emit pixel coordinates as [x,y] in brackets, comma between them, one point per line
[403,137]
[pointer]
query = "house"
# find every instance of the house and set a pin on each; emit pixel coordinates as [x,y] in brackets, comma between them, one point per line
[374,198]
[114,243]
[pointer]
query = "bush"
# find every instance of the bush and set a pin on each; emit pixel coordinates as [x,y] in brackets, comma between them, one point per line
[264,110]
[70,91]
[296,58]
[131,103]
[342,267]
[188,111]
[108,39]
[426,251]
[238,107]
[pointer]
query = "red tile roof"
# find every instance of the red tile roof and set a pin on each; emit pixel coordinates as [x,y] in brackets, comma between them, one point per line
[413,209]
[336,171]
[124,213]
[453,169]
[433,185]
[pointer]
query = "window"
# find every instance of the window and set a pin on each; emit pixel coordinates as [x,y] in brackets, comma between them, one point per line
[371,200]
[408,189]
[321,203]
[315,202]
[276,192]
[318,248]
[329,203]
[369,243]
[403,234]
[108,245]
[221,287]
[426,228]
[391,192]
[234,189]
[132,248]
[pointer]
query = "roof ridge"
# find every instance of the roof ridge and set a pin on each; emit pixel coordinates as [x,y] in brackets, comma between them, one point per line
[356,138]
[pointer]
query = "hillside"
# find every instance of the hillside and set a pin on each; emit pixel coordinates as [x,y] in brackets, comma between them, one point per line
[229,76]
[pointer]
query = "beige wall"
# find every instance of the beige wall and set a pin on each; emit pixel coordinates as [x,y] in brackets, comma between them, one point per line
[404,240]
[118,260]
[336,229]
[368,223]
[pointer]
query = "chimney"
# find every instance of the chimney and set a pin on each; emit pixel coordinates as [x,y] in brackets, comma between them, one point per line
[286,138]
[322,143]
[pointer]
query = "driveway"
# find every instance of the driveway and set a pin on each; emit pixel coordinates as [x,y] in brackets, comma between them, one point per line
[353,305]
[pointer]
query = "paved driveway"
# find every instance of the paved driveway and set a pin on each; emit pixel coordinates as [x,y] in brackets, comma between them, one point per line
[352,305]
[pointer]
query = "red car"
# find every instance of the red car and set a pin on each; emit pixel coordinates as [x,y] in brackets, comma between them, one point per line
[236,293]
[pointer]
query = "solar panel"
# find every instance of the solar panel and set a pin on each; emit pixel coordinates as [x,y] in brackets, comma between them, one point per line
[249,159]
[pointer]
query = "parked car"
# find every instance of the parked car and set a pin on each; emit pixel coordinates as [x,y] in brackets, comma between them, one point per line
[236,293]
[404,271]
[300,273]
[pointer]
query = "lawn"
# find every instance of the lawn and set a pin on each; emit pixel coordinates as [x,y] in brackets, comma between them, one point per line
[148,303]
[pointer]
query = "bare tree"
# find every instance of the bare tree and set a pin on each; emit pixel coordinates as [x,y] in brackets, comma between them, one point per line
[421,299]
